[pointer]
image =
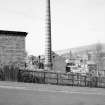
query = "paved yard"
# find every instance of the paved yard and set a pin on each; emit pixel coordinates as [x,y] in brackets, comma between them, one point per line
[12,93]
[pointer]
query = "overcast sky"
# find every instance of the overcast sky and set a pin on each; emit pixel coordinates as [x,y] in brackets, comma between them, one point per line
[74,22]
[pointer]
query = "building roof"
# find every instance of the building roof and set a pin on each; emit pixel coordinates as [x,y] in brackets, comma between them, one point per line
[13,33]
[91,62]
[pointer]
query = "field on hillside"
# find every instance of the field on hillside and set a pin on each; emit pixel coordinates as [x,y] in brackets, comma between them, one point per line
[37,94]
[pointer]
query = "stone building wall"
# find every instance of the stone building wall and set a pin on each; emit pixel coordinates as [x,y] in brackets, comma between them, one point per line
[59,63]
[12,47]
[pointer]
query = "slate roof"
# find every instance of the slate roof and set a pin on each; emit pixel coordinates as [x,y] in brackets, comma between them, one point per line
[13,33]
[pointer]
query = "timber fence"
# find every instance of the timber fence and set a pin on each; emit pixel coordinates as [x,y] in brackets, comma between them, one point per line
[44,77]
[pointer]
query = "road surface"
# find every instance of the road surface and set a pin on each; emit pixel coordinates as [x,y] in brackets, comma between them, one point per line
[12,93]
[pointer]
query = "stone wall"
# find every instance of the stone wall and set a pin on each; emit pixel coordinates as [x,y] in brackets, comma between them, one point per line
[12,48]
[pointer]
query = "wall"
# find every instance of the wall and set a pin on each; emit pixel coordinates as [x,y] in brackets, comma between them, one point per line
[12,48]
[59,63]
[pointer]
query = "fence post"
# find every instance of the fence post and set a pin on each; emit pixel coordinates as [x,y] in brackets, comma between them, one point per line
[78,79]
[57,78]
[96,81]
[72,80]
[99,82]
[44,77]
[85,80]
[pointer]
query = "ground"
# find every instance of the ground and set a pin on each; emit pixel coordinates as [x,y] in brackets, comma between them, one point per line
[13,93]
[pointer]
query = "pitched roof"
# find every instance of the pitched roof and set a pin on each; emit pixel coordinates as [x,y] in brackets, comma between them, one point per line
[13,33]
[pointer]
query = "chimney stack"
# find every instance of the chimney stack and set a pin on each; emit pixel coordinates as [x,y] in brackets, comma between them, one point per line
[48,46]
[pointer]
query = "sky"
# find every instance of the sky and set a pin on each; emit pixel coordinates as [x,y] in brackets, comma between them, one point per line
[74,22]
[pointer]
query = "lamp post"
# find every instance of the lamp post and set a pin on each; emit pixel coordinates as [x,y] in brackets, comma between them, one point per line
[48,47]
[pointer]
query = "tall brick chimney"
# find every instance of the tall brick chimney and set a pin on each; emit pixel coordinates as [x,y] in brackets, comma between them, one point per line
[48,47]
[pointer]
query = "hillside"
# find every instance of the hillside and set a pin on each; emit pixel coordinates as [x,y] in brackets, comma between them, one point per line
[81,49]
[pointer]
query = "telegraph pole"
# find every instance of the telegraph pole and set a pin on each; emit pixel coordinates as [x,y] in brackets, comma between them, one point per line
[48,46]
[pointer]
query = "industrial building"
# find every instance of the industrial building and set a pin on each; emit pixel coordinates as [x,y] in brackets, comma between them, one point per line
[12,47]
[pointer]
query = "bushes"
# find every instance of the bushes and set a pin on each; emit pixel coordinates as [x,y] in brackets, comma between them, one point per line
[29,76]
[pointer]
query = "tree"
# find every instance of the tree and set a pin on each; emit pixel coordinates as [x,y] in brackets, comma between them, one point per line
[32,59]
